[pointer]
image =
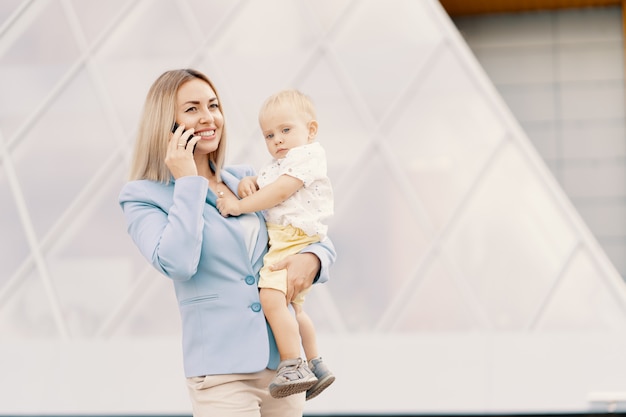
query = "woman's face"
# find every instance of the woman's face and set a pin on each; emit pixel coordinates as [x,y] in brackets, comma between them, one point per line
[197,107]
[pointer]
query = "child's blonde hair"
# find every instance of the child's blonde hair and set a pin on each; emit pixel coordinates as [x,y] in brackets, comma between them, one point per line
[291,97]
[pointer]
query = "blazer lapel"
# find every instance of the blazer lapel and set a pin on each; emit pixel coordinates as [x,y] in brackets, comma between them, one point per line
[232,182]
[261,241]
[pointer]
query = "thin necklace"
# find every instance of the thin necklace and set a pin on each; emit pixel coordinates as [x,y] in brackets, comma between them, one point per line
[219,192]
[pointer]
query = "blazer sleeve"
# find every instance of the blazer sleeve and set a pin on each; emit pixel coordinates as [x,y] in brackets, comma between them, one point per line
[325,251]
[166,223]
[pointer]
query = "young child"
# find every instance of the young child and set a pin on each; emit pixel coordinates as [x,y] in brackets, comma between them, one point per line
[296,196]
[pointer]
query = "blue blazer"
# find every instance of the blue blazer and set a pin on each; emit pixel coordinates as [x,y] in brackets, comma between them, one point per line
[179,230]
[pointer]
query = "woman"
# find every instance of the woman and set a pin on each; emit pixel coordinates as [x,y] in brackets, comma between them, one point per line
[228,350]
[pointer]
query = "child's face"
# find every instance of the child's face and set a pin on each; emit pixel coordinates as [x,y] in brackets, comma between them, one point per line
[285,128]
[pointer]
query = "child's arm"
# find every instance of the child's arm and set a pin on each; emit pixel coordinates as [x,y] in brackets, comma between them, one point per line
[267,197]
[247,186]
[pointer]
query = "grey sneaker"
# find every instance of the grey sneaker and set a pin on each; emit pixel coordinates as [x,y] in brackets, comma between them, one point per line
[293,376]
[324,378]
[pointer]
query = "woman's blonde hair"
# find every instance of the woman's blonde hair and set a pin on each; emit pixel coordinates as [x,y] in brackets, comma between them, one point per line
[155,126]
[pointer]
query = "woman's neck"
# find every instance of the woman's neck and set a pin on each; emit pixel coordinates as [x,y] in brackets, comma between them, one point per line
[204,169]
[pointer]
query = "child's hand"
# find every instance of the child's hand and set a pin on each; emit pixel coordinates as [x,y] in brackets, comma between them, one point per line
[247,186]
[228,206]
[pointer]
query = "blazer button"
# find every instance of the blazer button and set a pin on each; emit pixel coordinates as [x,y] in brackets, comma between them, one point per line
[250,280]
[256,307]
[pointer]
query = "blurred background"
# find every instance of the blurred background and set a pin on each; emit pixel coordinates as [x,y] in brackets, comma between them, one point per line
[478,155]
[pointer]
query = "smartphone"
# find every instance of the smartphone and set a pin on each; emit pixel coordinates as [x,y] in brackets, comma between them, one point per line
[175,126]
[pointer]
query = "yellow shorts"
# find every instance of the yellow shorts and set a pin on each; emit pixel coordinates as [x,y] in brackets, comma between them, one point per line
[284,241]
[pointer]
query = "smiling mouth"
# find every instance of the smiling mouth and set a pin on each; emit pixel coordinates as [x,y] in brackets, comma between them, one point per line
[206,133]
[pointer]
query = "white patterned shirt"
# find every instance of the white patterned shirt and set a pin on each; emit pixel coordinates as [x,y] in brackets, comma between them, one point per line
[311,205]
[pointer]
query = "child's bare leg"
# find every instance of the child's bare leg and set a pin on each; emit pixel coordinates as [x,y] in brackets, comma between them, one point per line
[293,375]
[309,341]
[283,324]
[307,332]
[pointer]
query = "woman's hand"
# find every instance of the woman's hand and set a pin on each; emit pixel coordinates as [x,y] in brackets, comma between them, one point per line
[302,268]
[179,156]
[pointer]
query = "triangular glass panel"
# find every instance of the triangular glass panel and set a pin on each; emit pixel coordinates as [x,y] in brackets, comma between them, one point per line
[323,308]
[327,14]
[582,301]
[135,316]
[437,302]
[373,216]
[443,156]
[383,47]
[276,58]
[26,313]
[29,67]
[95,16]
[106,278]
[341,131]
[510,206]
[79,129]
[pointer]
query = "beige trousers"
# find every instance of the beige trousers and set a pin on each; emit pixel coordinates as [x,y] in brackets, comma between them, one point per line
[240,395]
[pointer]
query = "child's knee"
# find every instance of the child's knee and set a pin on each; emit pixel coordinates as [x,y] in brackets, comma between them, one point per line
[271,298]
[297,308]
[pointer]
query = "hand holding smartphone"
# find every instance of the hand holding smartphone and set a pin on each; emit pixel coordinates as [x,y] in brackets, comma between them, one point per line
[176,126]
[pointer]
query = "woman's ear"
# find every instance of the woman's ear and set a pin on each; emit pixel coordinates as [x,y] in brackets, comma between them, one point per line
[312,130]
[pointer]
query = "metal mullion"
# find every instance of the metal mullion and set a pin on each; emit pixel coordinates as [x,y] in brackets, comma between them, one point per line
[317,51]
[532,323]
[534,161]
[31,237]
[68,217]
[436,244]
[353,92]
[15,17]
[121,311]
[89,189]
[44,104]
[87,54]
[202,52]
[364,113]
[502,112]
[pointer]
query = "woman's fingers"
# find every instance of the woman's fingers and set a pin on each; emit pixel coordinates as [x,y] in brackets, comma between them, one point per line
[181,138]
